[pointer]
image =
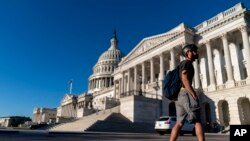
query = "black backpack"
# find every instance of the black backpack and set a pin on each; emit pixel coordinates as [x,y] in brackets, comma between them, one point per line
[172,84]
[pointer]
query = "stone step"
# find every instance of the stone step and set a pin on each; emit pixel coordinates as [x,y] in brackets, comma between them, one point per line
[82,123]
[118,123]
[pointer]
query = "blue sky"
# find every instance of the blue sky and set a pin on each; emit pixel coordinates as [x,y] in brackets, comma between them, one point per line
[45,43]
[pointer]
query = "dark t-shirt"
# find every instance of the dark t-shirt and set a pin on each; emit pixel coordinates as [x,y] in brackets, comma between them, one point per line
[188,66]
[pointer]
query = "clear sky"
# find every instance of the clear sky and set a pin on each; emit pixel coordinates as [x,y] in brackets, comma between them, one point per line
[45,43]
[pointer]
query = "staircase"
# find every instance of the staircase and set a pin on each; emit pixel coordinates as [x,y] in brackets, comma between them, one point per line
[116,122]
[110,120]
[85,122]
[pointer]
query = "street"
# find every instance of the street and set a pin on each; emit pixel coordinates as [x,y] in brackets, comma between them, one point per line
[91,136]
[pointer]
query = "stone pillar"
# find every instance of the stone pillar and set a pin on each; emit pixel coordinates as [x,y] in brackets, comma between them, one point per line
[122,84]
[89,86]
[120,87]
[143,75]
[161,76]
[106,82]
[129,80]
[103,82]
[99,83]
[152,70]
[210,66]
[96,82]
[110,81]
[246,45]
[196,75]
[230,81]
[135,78]
[172,59]
[115,89]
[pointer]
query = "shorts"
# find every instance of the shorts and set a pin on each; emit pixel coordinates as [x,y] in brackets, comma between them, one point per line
[187,108]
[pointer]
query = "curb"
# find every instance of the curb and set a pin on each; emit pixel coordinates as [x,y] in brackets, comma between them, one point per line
[8,131]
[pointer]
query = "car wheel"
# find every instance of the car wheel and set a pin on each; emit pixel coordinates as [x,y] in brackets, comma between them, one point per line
[181,133]
[169,131]
[161,133]
[193,132]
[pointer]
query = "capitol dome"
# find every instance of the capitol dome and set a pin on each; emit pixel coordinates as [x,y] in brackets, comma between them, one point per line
[111,54]
[104,68]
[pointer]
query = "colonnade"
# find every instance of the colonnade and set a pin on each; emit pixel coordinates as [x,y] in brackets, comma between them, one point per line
[155,68]
[103,82]
[69,110]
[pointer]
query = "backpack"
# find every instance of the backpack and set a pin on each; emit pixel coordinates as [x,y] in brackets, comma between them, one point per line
[172,84]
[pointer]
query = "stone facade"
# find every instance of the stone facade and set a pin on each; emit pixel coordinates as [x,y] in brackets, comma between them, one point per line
[221,73]
[44,115]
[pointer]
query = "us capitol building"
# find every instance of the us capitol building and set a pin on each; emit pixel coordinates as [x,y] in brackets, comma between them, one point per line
[132,84]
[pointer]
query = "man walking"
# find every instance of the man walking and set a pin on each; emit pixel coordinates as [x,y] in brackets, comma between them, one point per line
[187,104]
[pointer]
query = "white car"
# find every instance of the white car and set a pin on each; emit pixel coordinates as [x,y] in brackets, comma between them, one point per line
[165,124]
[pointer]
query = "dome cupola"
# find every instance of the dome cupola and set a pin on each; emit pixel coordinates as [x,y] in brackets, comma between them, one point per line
[104,68]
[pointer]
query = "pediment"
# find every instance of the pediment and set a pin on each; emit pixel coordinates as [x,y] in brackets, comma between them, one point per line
[67,97]
[151,42]
[147,44]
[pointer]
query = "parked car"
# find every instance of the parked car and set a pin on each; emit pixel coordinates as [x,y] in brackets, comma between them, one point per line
[165,124]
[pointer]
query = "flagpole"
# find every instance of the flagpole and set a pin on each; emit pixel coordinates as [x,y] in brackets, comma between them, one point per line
[70,87]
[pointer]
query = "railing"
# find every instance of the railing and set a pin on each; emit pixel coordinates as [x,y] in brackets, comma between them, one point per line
[240,83]
[212,20]
[229,11]
[220,16]
[220,87]
[224,86]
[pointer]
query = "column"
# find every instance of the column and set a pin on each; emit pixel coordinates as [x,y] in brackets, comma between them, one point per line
[152,70]
[103,82]
[196,75]
[115,89]
[122,84]
[120,87]
[143,75]
[161,76]
[110,84]
[98,83]
[246,46]
[91,84]
[172,59]
[135,78]
[210,66]
[230,81]
[106,82]
[128,81]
